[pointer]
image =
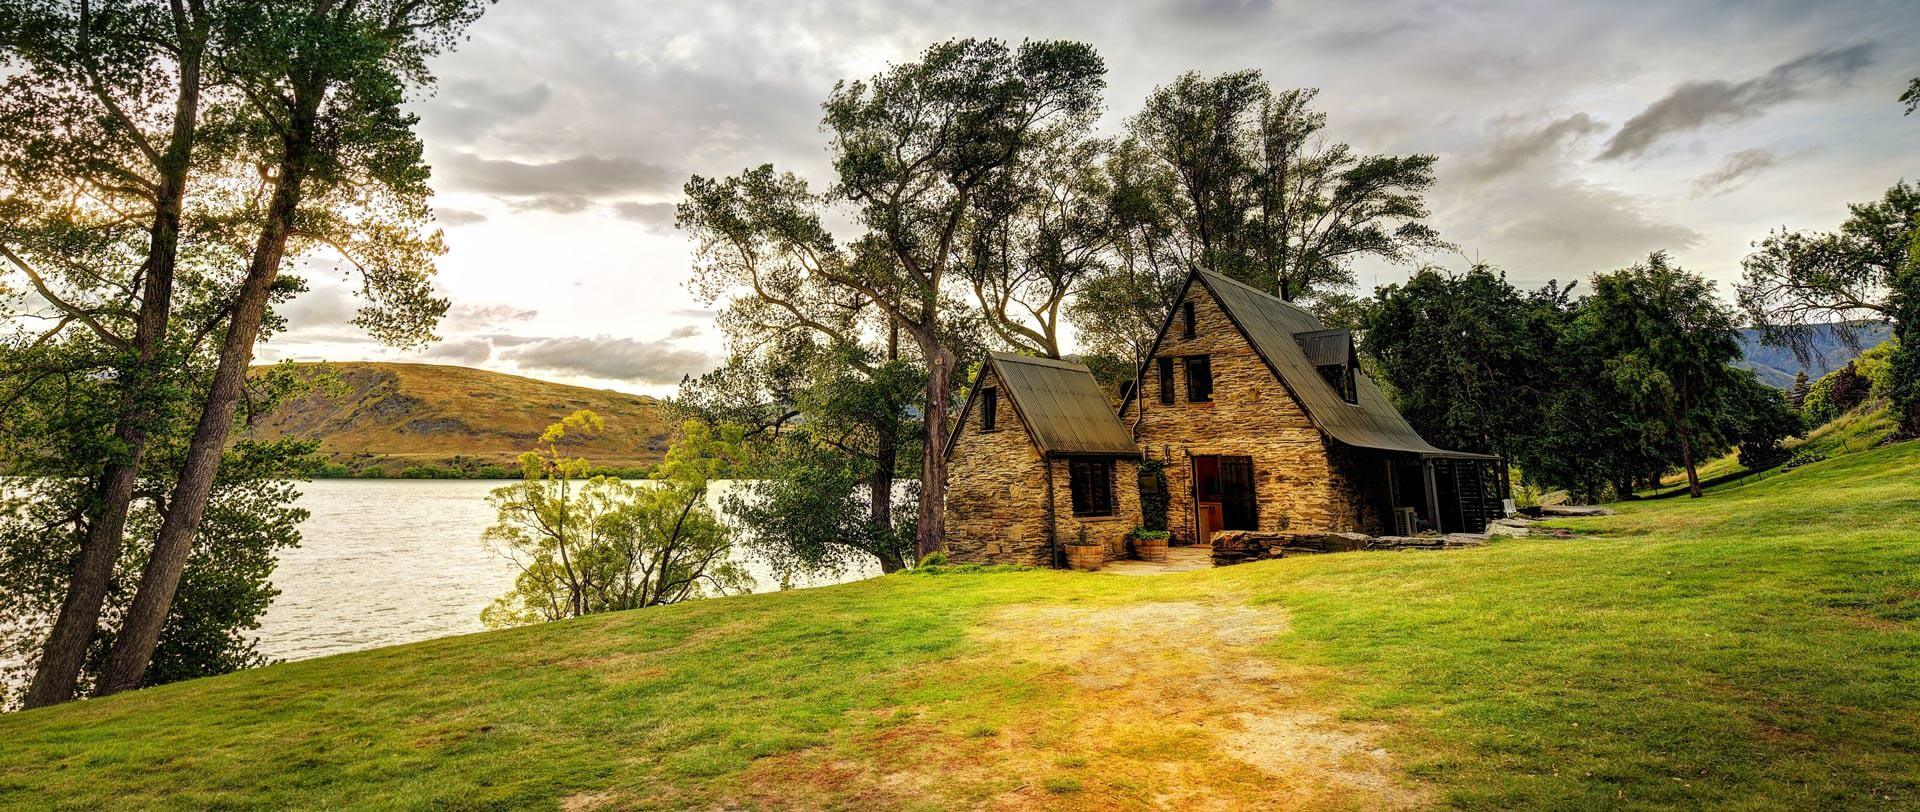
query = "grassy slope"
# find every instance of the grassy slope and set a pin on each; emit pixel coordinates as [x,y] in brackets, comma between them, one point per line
[1865,427]
[1754,649]
[406,414]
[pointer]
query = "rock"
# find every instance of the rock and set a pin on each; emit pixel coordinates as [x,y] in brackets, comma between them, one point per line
[1570,511]
[1504,529]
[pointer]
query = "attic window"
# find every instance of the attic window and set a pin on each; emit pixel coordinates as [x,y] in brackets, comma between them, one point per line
[1331,352]
[1340,377]
[989,408]
[1186,319]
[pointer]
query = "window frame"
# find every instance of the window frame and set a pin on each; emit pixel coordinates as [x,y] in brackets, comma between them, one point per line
[1194,392]
[1090,480]
[989,409]
[1166,379]
[1187,327]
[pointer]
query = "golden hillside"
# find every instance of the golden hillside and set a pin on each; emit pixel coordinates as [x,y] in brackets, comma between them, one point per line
[390,416]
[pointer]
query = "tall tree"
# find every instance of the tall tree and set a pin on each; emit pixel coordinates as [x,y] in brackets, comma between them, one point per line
[1265,196]
[1668,345]
[804,346]
[914,149]
[100,115]
[1037,234]
[324,81]
[1796,282]
[1797,394]
[1467,356]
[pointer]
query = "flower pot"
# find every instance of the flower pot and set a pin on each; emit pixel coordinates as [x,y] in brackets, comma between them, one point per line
[1150,549]
[1086,556]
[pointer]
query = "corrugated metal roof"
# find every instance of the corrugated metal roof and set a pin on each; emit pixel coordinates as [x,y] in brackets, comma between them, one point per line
[1272,324]
[1062,405]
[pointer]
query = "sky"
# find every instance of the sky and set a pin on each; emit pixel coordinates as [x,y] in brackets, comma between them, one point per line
[1572,137]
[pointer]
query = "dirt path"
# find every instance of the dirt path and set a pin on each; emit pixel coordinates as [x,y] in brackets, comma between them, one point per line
[1173,696]
[1143,706]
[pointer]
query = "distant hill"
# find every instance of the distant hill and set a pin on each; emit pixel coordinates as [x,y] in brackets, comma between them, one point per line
[1777,365]
[392,416]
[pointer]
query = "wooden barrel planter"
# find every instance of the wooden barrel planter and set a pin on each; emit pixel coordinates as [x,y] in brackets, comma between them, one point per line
[1087,557]
[1150,549]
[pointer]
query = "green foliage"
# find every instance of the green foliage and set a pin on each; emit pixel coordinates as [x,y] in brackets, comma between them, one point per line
[1155,501]
[604,545]
[1256,191]
[57,431]
[1468,358]
[1796,281]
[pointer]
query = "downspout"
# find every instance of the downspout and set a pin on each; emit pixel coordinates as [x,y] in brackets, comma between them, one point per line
[1053,532]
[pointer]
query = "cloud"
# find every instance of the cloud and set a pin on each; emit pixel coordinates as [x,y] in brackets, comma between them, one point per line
[687,331]
[466,109]
[1734,172]
[463,351]
[583,176]
[557,204]
[1564,229]
[620,359]
[324,307]
[457,217]
[1514,149]
[469,317]
[655,216]
[1694,105]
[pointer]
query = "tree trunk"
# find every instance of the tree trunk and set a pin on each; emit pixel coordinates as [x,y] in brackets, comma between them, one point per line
[1686,458]
[133,648]
[930,535]
[61,660]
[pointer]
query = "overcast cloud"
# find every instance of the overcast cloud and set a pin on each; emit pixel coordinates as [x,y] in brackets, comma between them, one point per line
[1572,137]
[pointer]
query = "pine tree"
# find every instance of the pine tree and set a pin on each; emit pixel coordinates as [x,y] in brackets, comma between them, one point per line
[1797,396]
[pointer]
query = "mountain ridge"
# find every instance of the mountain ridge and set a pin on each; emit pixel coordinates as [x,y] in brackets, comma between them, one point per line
[391,416]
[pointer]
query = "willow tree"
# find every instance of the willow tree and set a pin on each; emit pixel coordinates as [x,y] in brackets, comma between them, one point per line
[323,83]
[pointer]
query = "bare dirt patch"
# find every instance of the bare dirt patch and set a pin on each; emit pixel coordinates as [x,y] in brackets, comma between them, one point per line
[1175,699]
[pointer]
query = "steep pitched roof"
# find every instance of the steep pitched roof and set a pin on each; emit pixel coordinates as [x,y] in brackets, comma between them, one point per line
[1274,327]
[1060,403]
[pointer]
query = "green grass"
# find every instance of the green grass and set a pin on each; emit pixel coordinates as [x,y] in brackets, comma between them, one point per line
[1759,648]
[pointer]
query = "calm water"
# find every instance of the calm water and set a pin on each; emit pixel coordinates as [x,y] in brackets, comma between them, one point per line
[394,561]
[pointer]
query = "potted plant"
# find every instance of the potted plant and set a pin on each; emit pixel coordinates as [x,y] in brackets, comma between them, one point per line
[1084,554]
[1150,545]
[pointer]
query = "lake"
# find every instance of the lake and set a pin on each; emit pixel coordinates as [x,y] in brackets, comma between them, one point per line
[393,561]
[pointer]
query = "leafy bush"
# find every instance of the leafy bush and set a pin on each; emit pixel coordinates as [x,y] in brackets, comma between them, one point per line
[1153,504]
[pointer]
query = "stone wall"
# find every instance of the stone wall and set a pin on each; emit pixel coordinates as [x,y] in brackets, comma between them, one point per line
[996,491]
[1297,484]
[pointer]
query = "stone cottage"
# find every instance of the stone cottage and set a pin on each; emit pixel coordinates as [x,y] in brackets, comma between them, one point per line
[1260,414]
[1037,460]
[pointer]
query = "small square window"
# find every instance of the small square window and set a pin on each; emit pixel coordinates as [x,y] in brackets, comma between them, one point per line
[989,409]
[1199,379]
[1092,484]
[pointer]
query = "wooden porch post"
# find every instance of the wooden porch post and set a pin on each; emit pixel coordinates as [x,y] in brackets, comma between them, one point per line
[1433,494]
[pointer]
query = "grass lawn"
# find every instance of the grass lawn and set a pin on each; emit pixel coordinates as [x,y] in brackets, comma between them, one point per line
[1759,648]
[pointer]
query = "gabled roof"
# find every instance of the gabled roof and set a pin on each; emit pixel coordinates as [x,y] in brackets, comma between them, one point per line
[1274,327]
[1059,402]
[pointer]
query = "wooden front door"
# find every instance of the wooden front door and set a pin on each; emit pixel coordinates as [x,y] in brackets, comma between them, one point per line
[1222,496]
